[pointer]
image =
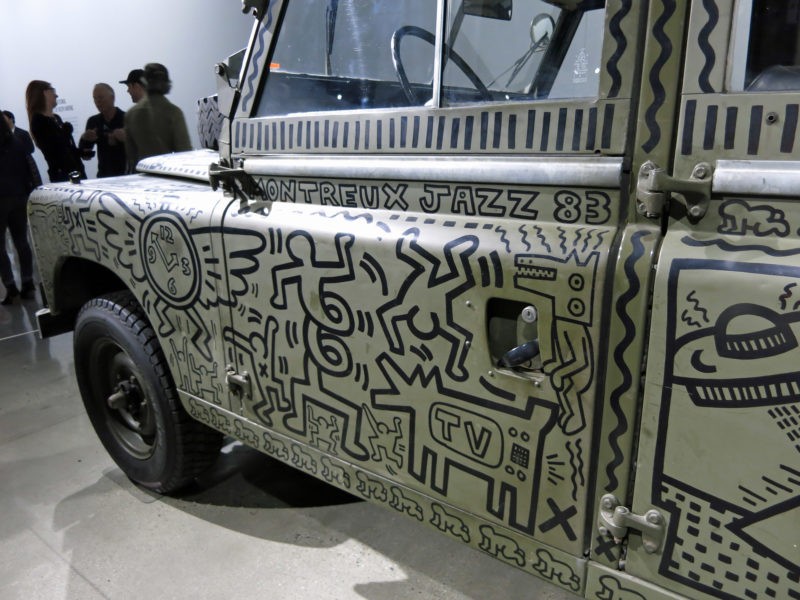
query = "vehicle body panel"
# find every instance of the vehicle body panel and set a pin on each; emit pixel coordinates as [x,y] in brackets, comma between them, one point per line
[718,455]
[347,303]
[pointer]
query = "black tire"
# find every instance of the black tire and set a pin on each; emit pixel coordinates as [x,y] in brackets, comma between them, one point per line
[131,400]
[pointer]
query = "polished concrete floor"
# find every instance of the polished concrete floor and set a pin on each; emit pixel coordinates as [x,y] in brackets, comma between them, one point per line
[73,527]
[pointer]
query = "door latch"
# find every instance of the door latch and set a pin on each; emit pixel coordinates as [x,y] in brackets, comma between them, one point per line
[615,520]
[654,188]
[239,384]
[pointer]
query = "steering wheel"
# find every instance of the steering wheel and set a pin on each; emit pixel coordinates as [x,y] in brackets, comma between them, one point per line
[427,36]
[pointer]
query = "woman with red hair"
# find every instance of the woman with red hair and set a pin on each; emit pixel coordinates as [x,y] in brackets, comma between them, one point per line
[51,134]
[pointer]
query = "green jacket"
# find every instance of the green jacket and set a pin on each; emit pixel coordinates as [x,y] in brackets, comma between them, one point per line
[154,126]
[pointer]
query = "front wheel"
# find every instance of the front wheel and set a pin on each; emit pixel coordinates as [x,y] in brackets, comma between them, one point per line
[131,400]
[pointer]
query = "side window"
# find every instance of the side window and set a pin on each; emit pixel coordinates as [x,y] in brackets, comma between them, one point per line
[546,52]
[766,46]
[337,55]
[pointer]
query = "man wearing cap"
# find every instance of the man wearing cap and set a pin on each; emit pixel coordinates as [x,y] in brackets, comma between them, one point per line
[135,83]
[154,125]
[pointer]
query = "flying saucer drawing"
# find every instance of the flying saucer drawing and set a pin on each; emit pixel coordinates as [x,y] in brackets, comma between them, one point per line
[741,361]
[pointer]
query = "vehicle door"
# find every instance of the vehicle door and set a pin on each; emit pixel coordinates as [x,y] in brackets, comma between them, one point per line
[442,205]
[717,488]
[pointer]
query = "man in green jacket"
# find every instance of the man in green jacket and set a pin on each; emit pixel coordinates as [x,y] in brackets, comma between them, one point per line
[154,125]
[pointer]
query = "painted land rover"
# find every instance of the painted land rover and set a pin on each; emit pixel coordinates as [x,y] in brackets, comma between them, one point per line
[524,270]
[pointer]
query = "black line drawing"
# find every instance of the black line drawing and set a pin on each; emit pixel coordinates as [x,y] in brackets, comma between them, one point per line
[708,381]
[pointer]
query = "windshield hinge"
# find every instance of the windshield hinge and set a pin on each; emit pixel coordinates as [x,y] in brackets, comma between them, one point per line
[654,188]
[258,8]
[241,185]
[615,520]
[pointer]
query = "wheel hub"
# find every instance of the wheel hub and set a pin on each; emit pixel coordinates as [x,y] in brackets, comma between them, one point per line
[130,403]
[121,396]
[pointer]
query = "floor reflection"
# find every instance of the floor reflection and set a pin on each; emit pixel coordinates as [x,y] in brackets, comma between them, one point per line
[244,477]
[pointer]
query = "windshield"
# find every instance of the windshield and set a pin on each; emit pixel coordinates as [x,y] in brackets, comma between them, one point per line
[348,54]
[540,51]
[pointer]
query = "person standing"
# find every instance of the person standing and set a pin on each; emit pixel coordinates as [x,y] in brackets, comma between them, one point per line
[135,83]
[154,125]
[16,182]
[107,130]
[52,136]
[20,133]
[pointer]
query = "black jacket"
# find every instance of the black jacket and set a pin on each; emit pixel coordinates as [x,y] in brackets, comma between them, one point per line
[54,139]
[110,157]
[15,174]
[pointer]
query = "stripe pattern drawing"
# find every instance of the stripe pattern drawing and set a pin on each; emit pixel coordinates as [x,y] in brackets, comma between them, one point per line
[728,131]
[581,129]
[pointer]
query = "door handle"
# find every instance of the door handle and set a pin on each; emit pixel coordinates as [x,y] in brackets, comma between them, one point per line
[520,355]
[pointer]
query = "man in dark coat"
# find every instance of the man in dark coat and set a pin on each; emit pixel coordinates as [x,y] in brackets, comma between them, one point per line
[22,135]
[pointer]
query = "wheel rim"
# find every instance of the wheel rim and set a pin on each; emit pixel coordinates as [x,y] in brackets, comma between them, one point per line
[120,390]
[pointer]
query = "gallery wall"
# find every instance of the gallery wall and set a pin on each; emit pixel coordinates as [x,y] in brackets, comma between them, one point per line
[74,44]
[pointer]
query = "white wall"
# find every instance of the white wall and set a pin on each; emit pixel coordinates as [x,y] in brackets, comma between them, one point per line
[74,44]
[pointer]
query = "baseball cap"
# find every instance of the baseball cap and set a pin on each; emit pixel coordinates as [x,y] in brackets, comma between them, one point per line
[135,76]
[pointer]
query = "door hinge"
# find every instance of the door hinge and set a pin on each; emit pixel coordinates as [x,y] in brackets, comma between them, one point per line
[654,188]
[239,384]
[615,520]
